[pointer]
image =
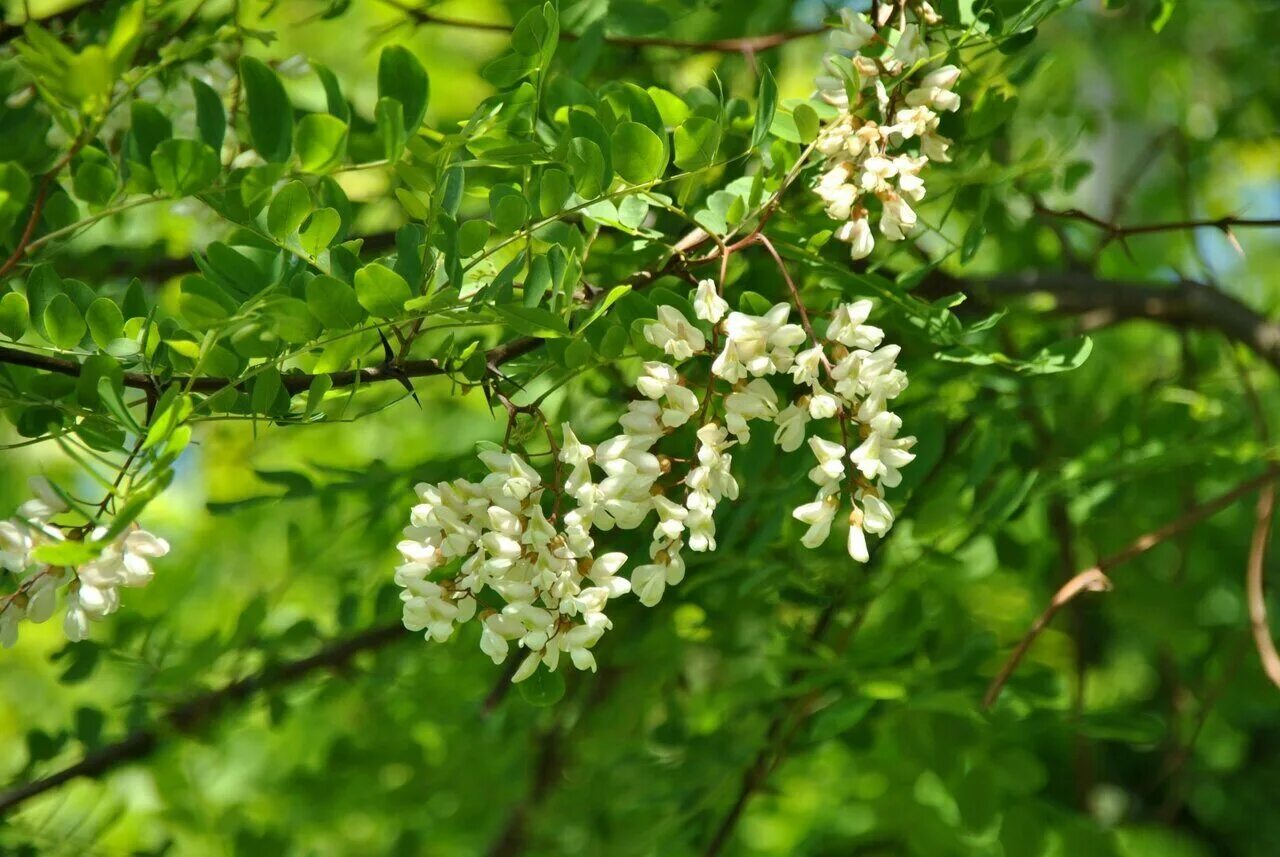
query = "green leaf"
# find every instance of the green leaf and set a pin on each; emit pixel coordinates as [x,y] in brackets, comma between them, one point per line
[1161,13]
[766,106]
[106,322]
[184,167]
[211,117]
[615,294]
[320,231]
[553,192]
[543,688]
[381,291]
[288,210]
[335,103]
[586,165]
[639,155]
[472,236]
[147,129]
[509,208]
[110,393]
[533,321]
[389,117]
[806,119]
[13,315]
[265,388]
[696,143]
[63,322]
[334,303]
[321,141]
[95,182]
[402,77]
[270,113]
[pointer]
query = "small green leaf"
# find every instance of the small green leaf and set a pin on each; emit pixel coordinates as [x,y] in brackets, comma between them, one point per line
[533,321]
[697,142]
[110,393]
[211,118]
[766,106]
[320,385]
[63,322]
[381,291]
[265,388]
[586,165]
[402,77]
[335,103]
[13,315]
[95,182]
[334,303]
[288,210]
[806,119]
[184,167]
[320,231]
[639,155]
[543,688]
[270,113]
[106,322]
[321,141]
[389,117]
[553,192]
[472,236]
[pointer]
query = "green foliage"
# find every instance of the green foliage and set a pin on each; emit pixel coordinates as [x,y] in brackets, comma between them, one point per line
[456,242]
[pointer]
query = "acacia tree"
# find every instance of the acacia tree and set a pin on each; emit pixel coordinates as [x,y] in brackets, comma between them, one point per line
[650,334]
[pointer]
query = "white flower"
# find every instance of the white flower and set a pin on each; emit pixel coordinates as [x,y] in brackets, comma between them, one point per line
[830,468]
[757,401]
[855,33]
[897,218]
[804,369]
[848,326]
[823,405]
[818,515]
[707,303]
[674,334]
[791,422]
[910,48]
[857,233]
[883,452]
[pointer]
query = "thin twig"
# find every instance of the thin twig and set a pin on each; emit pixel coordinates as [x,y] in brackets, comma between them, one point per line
[189,716]
[739,44]
[1095,579]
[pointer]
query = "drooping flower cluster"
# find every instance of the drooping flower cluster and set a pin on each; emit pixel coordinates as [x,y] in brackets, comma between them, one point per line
[92,587]
[887,130]
[491,550]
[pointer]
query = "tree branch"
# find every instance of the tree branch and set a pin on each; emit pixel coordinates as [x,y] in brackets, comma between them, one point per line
[740,44]
[1099,303]
[296,382]
[1095,579]
[1115,231]
[190,715]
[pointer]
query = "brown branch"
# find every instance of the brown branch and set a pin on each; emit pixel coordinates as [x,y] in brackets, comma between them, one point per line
[296,382]
[1262,640]
[1101,302]
[740,44]
[1115,231]
[191,715]
[1095,579]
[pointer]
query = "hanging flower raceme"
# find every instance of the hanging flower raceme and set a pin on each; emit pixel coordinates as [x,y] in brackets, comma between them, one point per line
[880,142]
[92,587]
[499,550]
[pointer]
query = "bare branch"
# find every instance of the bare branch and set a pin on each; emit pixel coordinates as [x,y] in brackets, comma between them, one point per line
[748,45]
[190,715]
[1095,579]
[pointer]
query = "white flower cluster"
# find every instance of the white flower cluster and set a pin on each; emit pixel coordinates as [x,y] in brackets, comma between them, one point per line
[490,550]
[869,149]
[92,588]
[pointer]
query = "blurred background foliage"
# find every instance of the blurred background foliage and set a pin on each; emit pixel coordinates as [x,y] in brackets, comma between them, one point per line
[818,708]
